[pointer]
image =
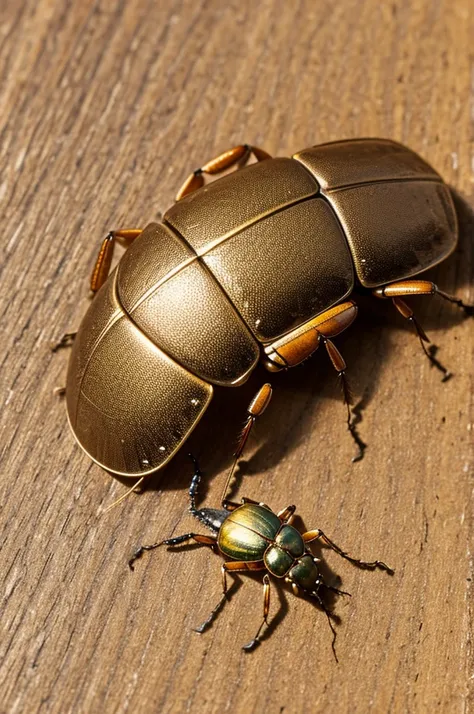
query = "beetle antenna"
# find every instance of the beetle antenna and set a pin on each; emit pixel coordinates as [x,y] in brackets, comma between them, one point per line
[125,495]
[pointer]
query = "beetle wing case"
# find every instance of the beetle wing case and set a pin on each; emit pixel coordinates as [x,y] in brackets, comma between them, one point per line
[130,406]
[271,242]
[396,212]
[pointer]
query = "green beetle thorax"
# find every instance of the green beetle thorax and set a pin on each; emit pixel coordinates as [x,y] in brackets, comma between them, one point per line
[281,555]
[305,573]
[290,540]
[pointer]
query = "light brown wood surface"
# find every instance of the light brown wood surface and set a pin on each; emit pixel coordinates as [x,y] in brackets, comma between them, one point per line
[105,108]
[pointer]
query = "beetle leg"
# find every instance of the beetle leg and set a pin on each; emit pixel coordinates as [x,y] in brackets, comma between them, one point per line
[194,485]
[210,541]
[66,341]
[340,366]
[295,348]
[286,516]
[420,287]
[100,272]
[298,345]
[233,505]
[406,312]
[317,534]
[234,566]
[255,409]
[330,615]
[266,609]
[106,251]
[237,155]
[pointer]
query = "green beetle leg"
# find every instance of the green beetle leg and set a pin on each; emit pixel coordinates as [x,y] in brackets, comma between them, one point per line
[317,534]
[210,541]
[266,609]
[232,566]
[286,515]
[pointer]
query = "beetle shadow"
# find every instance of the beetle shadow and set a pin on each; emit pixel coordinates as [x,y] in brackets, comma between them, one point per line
[365,346]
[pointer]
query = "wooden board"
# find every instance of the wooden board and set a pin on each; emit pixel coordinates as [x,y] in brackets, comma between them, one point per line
[105,108]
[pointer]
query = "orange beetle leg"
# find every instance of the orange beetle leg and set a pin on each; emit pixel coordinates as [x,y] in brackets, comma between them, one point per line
[300,344]
[394,291]
[106,251]
[237,155]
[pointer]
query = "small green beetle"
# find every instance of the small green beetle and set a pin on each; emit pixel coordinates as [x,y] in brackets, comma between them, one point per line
[257,539]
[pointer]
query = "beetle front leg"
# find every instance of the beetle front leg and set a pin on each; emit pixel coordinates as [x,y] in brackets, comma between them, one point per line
[318,534]
[232,566]
[210,541]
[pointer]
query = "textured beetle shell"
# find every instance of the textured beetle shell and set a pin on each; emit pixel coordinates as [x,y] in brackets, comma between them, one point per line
[268,247]
[396,211]
[277,561]
[181,308]
[235,265]
[248,531]
[117,408]
[305,572]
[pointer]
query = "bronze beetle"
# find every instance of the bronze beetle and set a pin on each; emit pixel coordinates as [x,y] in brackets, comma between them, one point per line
[258,265]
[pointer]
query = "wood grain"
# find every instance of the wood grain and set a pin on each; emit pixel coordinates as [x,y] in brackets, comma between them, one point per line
[105,108]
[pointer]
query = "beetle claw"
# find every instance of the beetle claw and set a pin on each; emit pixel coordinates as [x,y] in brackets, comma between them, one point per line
[251,645]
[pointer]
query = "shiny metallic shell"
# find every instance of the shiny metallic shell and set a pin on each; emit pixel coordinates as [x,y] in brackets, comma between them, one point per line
[235,265]
[247,532]
[396,211]
[129,405]
[277,252]
[305,572]
[172,297]
[290,540]
[277,561]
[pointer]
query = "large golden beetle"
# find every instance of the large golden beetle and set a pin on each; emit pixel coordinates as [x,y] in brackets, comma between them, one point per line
[258,265]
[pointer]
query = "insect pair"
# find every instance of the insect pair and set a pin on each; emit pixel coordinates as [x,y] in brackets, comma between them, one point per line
[256,539]
[259,266]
